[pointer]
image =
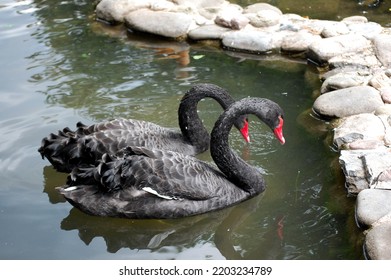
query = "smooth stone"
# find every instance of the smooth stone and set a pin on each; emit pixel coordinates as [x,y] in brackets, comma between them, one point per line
[298,41]
[116,10]
[364,59]
[384,110]
[264,18]
[355,19]
[371,205]
[346,69]
[208,32]
[255,8]
[231,16]
[386,95]
[200,3]
[176,24]
[378,242]
[382,44]
[369,29]
[322,50]
[252,41]
[335,29]
[344,80]
[365,144]
[348,101]
[380,80]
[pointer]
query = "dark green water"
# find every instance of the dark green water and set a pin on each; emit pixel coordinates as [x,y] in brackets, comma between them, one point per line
[60,67]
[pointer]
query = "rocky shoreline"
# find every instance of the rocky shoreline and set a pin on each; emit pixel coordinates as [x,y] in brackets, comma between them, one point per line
[356,84]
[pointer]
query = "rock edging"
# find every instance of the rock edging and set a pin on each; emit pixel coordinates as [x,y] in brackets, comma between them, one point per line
[355,93]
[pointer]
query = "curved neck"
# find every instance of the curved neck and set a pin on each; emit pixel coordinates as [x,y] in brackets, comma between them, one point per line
[237,170]
[190,123]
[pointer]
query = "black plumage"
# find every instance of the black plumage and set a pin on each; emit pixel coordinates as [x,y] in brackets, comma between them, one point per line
[85,145]
[139,182]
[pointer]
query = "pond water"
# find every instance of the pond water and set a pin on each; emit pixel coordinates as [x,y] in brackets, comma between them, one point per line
[61,67]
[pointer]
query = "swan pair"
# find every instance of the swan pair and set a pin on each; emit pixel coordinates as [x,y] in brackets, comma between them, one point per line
[146,171]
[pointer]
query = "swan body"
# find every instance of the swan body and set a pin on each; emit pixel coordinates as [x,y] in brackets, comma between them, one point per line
[149,183]
[86,145]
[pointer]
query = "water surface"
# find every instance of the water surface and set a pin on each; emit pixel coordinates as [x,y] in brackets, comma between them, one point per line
[61,67]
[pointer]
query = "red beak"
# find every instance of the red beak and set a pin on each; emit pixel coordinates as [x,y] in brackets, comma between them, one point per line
[278,131]
[244,132]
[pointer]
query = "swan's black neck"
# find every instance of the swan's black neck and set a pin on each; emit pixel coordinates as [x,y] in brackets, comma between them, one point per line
[237,170]
[190,123]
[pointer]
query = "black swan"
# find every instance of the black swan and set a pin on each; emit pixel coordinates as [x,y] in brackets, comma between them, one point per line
[149,183]
[87,144]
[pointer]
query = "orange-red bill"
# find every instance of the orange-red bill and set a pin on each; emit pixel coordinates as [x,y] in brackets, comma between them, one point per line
[278,131]
[244,132]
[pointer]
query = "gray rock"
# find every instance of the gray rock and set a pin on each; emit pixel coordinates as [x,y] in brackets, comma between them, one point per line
[315,26]
[231,16]
[384,110]
[382,45]
[264,18]
[366,169]
[208,32]
[252,41]
[365,58]
[369,29]
[176,24]
[255,8]
[371,205]
[378,169]
[322,50]
[358,127]
[355,19]
[344,80]
[346,69]
[365,144]
[298,41]
[386,94]
[347,102]
[377,242]
[353,169]
[380,80]
[335,29]
[116,10]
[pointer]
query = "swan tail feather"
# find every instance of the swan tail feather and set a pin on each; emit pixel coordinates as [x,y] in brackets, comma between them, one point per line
[68,149]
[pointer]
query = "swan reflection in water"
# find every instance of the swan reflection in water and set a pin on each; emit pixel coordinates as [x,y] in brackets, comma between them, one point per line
[220,228]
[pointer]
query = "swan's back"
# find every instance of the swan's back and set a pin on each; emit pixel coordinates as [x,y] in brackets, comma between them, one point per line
[85,145]
[150,184]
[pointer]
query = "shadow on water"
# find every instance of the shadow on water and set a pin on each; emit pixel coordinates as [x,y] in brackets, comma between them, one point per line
[75,68]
